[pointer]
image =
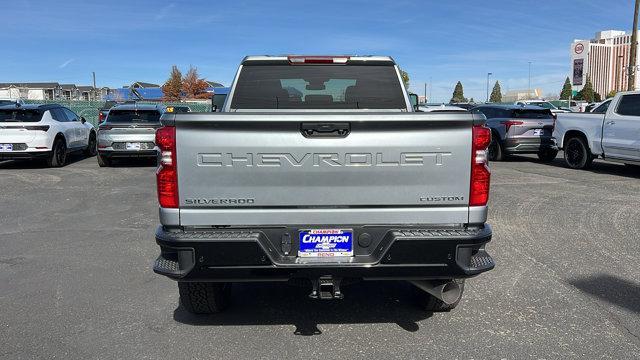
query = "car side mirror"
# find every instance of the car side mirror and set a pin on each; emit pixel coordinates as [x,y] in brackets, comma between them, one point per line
[82,119]
[413,99]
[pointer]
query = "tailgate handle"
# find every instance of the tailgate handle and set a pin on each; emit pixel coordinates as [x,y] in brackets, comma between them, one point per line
[340,129]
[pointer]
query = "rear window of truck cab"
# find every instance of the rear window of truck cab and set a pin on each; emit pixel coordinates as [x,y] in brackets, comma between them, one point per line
[318,87]
[20,115]
[133,116]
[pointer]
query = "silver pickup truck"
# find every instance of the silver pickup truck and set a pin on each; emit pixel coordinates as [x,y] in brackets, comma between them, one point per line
[320,170]
[611,131]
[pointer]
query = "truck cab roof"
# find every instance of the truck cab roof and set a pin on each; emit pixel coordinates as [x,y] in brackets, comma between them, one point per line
[318,59]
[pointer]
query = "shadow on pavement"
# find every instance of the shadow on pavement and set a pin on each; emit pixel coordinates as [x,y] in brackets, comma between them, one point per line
[611,289]
[283,304]
[598,166]
[134,162]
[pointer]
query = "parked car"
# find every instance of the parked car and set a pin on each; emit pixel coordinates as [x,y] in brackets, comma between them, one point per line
[599,108]
[611,131]
[128,131]
[519,129]
[48,132]
[466,106]
[218,98]
[440,108]
[543,104]
[178,109]
[320,172]
[103,111]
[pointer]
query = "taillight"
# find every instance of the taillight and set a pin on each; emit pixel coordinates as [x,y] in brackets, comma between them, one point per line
[509,123]
[100,117]
[167,173]
[480,173]
[39,127]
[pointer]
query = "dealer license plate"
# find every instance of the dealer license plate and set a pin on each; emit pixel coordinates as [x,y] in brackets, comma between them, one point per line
[325,242]
[6,147]
[133,146]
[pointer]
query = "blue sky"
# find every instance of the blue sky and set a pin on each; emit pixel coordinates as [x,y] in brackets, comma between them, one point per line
[445,41]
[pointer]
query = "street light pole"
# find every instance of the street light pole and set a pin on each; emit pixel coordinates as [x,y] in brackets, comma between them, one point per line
[488,74]
[529,87]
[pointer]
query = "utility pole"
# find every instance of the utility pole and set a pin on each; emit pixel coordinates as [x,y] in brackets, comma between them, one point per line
[94,85]
[488,74]
[619,77]
[529,87]
[634,50]
[430,88]
[425,93]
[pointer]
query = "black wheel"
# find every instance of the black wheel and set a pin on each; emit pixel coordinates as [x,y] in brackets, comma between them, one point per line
[58,155]
[92,147]
[547,155]
[577,154]
[495,152]
[431,303]
[103,161]
[204,297]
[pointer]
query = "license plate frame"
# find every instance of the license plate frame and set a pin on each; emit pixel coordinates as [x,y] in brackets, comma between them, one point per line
[6,147]
[316,243]
[133,146]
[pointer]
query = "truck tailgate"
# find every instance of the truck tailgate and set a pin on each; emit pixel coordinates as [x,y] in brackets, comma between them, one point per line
[251,168]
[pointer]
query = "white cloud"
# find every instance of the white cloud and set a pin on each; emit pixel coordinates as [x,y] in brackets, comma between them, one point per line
[64,64]
[164,12]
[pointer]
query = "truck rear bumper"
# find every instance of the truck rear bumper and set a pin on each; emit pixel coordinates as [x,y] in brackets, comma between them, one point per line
[270,254]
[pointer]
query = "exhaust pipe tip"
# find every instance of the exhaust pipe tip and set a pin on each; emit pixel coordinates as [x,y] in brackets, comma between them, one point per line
[448,292]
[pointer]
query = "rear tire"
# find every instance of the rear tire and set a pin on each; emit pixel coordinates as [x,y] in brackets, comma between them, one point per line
[431,303]
[103,161]
[495,152]
[92,147]
[577,154]
[58,155]
[204,297]
[547,155]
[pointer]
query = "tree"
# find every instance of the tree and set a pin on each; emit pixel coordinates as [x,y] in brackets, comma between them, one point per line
[405,78]
[171,90]
[567,91]
[597,97]
[458,94]
[193,86]
[496,93]
[611,94]
[587,90]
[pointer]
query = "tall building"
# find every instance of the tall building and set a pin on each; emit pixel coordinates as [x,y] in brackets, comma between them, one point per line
[605,59]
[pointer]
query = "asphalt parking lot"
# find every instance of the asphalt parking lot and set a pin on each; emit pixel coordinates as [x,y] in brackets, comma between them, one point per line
[76,247]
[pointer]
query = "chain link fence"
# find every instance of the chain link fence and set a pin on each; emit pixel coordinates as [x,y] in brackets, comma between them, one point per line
[89,109]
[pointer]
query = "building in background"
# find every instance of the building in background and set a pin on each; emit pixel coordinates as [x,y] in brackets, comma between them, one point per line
[515,95]
[604,59]
[30,91]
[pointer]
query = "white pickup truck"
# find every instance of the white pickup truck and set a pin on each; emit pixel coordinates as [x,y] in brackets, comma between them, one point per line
[611,131]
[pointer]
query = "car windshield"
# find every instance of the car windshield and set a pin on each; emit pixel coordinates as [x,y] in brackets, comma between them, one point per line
[318,87]
[133,116]
[20,115]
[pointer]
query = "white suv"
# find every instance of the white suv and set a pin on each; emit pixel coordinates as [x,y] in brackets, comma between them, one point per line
[47,132]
